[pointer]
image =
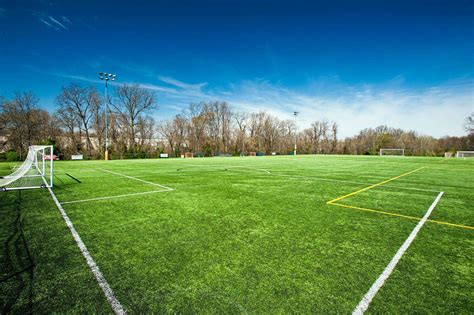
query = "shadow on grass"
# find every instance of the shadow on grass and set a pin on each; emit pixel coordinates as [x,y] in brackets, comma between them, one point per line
[17,264]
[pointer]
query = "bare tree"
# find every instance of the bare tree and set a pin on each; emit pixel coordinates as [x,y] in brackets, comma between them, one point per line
[197,118]
[241,121]
[23,120]
[334,128]
[66,119]
[469,124]
[146,132]
[79,101]
[132,102]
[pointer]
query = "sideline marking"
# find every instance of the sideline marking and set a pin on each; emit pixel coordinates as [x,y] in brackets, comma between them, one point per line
[368,297]
[104,285]
[138,179]
[116,196]
[374,185]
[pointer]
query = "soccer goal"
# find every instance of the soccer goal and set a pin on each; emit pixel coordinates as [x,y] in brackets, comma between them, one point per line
[464,154]
[189,155]
[392,152]
[35,172]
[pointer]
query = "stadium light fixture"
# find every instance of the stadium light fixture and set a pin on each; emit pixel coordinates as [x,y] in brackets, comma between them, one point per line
[104,76]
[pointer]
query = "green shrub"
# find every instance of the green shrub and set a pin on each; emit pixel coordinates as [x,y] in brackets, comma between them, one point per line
[11,156]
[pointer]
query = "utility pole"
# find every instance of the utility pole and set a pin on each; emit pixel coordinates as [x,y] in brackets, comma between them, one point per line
[106,77]
[296,132]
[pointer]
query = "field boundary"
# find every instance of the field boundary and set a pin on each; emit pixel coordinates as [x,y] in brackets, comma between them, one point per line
[368,297]
[103,284]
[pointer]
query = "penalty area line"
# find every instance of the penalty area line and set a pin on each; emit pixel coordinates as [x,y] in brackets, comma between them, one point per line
[138,179]
[103,284]
[369,296]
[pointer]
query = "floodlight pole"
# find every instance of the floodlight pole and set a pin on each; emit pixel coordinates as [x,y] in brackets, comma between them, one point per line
[296,132]
[106,77]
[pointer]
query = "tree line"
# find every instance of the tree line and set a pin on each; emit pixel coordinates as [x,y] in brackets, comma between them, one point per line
[79,124]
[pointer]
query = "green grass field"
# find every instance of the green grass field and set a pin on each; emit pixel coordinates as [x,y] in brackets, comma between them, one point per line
[242,235]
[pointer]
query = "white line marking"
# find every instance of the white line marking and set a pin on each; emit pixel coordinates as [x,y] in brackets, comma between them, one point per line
[117,196]
[368,297]
[252,169]
[138,179]
[310,177]
[352,182]
[109,294]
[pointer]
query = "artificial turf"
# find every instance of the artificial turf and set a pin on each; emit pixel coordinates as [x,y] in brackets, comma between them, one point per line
[242,235]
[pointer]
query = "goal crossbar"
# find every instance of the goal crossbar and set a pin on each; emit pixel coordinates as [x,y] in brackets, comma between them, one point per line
[35,172]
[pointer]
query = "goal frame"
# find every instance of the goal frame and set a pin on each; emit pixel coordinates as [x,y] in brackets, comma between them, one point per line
[38,164]
[391,150]
[460,154]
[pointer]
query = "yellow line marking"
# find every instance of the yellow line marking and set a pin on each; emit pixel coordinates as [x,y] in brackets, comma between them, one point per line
[376,211]
[333,203]
[453,224]
[373,186]
[401,215]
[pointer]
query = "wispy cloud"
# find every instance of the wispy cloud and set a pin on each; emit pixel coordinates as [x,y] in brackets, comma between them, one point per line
[57,22]
[436,110]
[48,24]
[182,85]
[3,13]
[65,19]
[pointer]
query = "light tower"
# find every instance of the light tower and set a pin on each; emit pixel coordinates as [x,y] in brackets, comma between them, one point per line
[106,77]
[296,131]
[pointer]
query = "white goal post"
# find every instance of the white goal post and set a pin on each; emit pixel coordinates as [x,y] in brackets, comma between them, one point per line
[392,152]
[35,172]
[464,154]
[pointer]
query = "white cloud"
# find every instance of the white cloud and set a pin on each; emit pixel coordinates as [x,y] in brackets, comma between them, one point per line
[180,84]
[436,110]
[65,19]
[57,22]
[49,24]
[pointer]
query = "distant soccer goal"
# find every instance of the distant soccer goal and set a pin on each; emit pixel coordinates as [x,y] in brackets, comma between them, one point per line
[465,154]
[392,152]
[35,172]
[189,155]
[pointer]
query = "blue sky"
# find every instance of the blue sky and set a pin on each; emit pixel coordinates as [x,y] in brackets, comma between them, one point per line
[408,64]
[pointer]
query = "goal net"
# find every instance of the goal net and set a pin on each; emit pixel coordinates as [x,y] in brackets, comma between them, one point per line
[35,172]
[392,152]
[464,154]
